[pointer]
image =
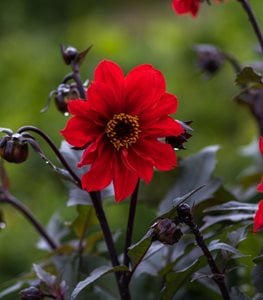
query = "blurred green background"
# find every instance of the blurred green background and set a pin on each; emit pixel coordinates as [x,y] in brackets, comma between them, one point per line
[130,33]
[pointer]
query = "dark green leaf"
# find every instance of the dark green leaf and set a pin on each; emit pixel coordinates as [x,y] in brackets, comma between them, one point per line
[249,77]
[257,276]
[214,245]
[232,218]
[236,294]
[175,280]
[15,287]
[194,171]
[137,251]
[258,260]
[96,274]
[86,218]
[233,205]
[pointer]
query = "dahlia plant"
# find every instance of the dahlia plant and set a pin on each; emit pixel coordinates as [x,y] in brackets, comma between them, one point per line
[120,134]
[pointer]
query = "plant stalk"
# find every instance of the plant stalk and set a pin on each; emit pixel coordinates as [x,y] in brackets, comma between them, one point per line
[6,197]
[253,21]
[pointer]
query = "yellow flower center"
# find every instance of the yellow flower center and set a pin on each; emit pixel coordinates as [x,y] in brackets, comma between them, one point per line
[123,130]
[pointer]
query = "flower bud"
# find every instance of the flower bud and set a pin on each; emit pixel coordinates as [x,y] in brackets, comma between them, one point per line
[31,293]
[209,59]
[166,231]
[184,213]
[13,150]
[69,54]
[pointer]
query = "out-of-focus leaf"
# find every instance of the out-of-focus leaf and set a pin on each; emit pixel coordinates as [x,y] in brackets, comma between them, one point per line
[96,274]
[44,276]
[237,236]
[257,275]
[249,77]
[137,251]
[232,218]
[194,171]
[174,280]
[13,288]
[236,294]
[56,229]
[258,297]
[214,245]
[258,260]
[86,218]
[76,195]
[233,205]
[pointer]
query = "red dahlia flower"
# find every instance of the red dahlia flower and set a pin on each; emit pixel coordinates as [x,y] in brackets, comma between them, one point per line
[186,6]
[258,219]
[120,127]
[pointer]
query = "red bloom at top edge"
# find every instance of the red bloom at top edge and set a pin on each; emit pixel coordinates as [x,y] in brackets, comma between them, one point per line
[120,126]
[261,144]
[258,219]
[186,6]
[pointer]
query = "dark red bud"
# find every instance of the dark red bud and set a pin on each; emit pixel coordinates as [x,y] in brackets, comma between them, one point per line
[69,54]
[13,150]
[166,231]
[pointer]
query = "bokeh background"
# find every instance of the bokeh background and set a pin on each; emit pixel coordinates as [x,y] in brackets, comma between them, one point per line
[130,33]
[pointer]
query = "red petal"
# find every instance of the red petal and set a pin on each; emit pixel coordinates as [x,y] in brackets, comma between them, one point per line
[258,219]
[144,86]
[166,126]
[142,166]
[80,131]
[163,155]
[124,180]
[91,152]
[166,105]
[111,74]
[186,6]
[100,174]
[261,144]
[260,186]
[103,100]
[78,107]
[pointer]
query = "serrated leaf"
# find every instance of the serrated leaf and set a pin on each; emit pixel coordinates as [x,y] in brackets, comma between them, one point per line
[249,77]
[194,171]
[44,276]
[95,275]
[137,251]
[233,205]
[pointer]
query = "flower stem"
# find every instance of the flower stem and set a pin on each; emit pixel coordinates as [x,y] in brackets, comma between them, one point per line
[96,201]
[253,21]
[6,197]
[76,77]
[55,150]
[130,224]
[186,217]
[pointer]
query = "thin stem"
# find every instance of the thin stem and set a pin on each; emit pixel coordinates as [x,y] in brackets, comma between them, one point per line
[185,216]
[253,21]
[76,77]
[54,148]
[6,197]
[233,62]
[96,201]
[130,224]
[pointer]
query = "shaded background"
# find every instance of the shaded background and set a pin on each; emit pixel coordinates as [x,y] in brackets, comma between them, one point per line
[130,33]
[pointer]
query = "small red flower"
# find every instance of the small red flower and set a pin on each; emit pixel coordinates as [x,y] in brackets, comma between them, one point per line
[258,219]
[120,127]
[261,144]
[186,6]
